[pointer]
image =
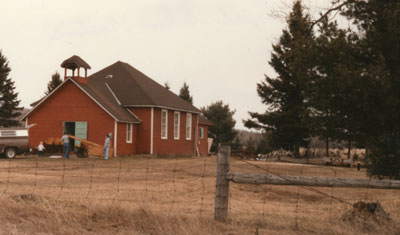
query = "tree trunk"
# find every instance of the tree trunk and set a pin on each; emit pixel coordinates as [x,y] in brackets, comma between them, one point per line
[327,146]
[297,151]
[349,149]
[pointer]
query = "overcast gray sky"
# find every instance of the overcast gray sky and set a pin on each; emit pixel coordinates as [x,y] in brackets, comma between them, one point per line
[220,48]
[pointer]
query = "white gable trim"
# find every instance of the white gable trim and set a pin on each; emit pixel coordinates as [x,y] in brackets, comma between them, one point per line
[116,119]
[115,137]
[151,131]
[134,115]
[42,100]
[74,82]
[115,97]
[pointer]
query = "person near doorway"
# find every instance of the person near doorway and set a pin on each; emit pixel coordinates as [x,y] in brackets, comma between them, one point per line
[107,145]
[41,149]
[65,140]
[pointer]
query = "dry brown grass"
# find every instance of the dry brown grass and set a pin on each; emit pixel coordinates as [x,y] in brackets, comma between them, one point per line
[41,215]
[146,195]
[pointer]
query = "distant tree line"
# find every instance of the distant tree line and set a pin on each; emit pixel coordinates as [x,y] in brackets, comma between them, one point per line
[337,83]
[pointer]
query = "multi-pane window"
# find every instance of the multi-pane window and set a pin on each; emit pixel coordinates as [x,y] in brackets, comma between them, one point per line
[177,117]
[188,126]
[129,128]
[201,132]
[164,124]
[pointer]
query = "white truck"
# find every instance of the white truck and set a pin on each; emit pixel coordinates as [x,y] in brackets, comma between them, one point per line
[13,141]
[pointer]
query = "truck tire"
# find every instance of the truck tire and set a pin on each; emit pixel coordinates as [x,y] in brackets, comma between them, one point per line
[10,153]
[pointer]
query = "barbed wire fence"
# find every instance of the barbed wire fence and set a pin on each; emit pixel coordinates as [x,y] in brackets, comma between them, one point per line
[188,186]
[181,184]
[292,203]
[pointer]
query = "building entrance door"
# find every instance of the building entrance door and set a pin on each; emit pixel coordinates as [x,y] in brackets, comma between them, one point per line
[78,129]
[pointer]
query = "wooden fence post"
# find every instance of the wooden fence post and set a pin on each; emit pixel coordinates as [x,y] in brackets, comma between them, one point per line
[222,185]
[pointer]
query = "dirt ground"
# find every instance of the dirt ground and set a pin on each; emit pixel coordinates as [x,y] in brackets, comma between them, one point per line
[175,195]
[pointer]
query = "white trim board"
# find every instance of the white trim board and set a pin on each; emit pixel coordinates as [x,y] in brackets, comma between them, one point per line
[151,131]
[115,137]
[84,91]
[161,107]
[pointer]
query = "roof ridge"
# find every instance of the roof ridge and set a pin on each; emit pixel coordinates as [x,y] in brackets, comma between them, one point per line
[127,68]
[134,88]
[101,70]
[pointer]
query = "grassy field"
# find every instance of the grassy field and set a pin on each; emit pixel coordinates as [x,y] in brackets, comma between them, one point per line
[175,195]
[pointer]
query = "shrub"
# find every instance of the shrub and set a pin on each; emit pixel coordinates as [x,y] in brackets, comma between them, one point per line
[383,165]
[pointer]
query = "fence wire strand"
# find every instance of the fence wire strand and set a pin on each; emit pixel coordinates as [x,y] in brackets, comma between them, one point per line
[176,185]
[312,189]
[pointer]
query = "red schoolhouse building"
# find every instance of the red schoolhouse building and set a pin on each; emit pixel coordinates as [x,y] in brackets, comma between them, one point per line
[143,116]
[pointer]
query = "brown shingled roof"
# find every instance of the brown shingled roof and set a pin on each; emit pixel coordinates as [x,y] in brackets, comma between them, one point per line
[134,89]
[120,86]
[75,62]
[103,97]
[204,120]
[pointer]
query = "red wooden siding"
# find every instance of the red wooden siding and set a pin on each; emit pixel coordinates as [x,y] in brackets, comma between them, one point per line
[171,146]
[163,146]
[69,104]
[124,148]
[203,142]
[143,130]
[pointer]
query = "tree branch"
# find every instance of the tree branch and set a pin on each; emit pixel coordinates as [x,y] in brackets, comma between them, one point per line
[333,8]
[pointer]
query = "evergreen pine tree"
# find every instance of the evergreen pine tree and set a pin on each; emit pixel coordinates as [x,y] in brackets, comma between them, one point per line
[338,93]
[167,86]
[9,102]
[184,93]
[251,146]
[223,124]
[378,24]
[54,83]
[287,114]
[236,146]
[330,93]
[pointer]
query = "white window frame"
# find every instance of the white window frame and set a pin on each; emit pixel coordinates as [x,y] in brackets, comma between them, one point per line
[129,129]
[201,132]
[177,125]
[164,126]
[188,126]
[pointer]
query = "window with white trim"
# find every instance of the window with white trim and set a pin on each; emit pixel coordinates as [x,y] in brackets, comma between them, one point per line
[188,126]
[201,132]
[164,124]
[177,119]
[129,128]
